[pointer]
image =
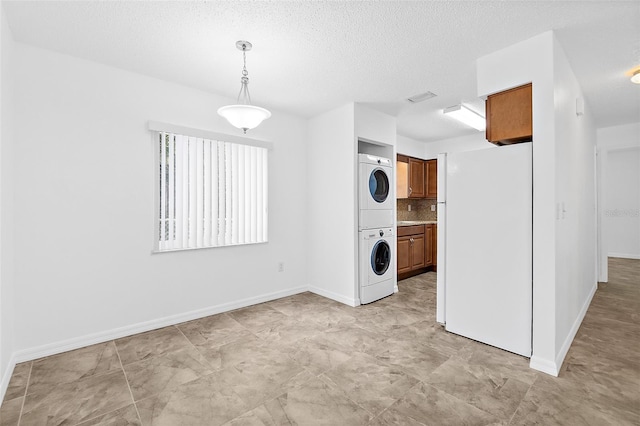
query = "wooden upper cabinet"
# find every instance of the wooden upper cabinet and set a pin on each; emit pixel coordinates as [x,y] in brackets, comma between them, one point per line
[431,173]
[416,178]
[509,116]
[402,177]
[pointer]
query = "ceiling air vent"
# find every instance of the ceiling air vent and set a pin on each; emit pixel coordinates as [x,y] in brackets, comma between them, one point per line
[421,97]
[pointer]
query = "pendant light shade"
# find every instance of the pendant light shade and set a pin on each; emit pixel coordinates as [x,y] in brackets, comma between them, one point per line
[243,115]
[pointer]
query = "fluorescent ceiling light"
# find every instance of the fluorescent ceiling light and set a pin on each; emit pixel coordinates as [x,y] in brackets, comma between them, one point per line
[466,116]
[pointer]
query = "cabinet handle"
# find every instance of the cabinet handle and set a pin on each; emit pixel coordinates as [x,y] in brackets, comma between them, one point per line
[411,240]
[410,190]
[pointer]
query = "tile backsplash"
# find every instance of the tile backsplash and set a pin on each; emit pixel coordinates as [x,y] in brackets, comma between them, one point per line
[420,209]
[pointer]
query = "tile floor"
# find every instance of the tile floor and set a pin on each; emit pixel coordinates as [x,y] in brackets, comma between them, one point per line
[306,360]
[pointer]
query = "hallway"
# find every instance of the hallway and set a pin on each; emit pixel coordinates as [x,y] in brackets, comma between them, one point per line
[601,373]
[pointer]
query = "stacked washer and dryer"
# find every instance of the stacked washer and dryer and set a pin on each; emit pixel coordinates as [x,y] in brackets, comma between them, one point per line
[376,228]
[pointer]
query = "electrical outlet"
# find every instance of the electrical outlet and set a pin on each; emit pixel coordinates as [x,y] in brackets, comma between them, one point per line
[433,207]
[409,208]
[281,267]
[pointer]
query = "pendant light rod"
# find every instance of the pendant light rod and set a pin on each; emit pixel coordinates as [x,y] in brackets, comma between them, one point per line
[244,98]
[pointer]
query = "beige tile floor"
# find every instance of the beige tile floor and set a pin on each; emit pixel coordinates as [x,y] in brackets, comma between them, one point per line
[306,360]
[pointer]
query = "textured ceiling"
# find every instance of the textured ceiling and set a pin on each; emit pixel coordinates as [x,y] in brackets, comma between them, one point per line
[310,57]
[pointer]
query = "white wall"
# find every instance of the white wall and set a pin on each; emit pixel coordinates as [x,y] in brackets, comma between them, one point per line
[410,147]
[563,175]
[84,211]
[331,202]
[430,150]
[622,203]
[575,141]
[619,176]
[375,126]
[459,144]
[532,61]
[6,205]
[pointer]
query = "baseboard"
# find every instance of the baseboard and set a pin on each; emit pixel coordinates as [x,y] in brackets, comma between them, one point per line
[420,271]
[625,255]
[6,377]
[574,328]
[553,367]
[334,296]
[544,365]
[105,336]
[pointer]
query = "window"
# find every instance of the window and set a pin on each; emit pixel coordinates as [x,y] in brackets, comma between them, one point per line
[211,192]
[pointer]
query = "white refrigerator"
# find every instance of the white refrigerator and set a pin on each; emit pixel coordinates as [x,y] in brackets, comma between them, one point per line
[484,282]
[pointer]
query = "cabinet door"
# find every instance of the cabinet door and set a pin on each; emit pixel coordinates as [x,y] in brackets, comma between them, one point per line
[509,116]
[428,245]
[402,177]
[417,251]
[416,178]
[434,245]
[431,173]
[403,254]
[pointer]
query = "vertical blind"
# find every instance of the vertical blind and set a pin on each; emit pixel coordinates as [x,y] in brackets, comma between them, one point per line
[212,193]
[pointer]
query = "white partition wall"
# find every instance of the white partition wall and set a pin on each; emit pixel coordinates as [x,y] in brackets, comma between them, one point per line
[7,334]
[564,219]
[332,196]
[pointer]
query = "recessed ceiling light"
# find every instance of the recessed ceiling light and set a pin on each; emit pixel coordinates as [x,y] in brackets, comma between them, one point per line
[421,97]
[466,116]
[635,78]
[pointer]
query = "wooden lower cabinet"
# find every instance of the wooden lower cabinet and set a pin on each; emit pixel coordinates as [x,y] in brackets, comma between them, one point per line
[434,246]
[410,248]
[418,258]
[403,254]
[428,245]
[415,249]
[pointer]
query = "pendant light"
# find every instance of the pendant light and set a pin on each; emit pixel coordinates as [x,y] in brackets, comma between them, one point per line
[243,115]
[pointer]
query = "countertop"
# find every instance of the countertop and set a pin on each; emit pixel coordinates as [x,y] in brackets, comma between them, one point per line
[416,222]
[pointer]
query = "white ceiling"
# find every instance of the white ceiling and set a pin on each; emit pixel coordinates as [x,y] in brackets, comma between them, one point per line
[310,57]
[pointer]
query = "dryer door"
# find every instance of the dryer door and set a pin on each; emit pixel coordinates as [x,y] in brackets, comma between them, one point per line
[380,257]
[379,185]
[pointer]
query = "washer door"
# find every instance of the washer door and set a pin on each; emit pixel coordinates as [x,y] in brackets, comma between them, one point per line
[380,257]
[379,185]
